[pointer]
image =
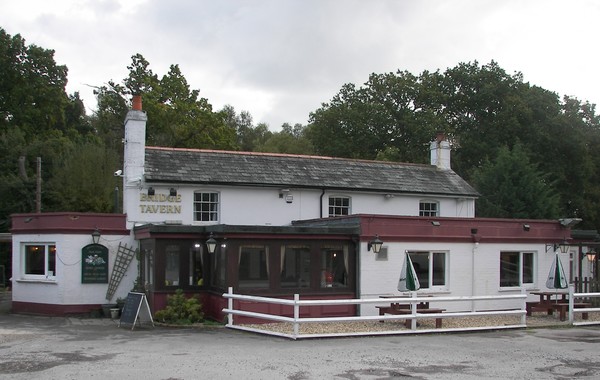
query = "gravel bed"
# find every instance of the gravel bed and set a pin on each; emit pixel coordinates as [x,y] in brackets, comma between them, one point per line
[536,320]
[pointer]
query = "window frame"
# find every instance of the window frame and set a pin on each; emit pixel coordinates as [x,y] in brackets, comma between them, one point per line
[47,265]
[198,206]
[521,273]
[431,270]
[246,254]
[423,211]
[341,207]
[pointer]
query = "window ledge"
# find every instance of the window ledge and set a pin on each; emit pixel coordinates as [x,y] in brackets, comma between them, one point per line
[37,281]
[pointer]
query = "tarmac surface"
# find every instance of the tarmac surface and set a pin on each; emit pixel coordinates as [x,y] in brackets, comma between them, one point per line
[34,347]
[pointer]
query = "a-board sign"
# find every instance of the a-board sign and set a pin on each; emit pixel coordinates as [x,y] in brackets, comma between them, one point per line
[135,309]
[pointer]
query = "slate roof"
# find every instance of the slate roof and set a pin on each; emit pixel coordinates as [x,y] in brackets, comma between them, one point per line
[175,165]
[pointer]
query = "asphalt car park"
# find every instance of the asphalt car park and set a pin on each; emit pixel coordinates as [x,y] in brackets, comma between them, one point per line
[97,348]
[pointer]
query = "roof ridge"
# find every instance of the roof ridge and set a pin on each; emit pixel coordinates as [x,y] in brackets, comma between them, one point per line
[288,155]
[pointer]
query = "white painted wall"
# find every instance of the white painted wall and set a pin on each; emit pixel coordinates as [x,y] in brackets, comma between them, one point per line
[66,287]
[263,206]
[381,277]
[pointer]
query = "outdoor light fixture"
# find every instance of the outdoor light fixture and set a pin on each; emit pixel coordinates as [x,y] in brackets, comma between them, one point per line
[526,227]
[173,192]
[150,190]
[211,244]
[375,244]
[591,256]
[435,223]
[564,247]
[96,236]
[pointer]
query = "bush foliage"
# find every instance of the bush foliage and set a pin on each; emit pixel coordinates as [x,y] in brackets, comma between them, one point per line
[181,310]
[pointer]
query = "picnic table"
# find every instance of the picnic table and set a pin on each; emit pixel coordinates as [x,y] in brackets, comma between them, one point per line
[402,308]
[550,301]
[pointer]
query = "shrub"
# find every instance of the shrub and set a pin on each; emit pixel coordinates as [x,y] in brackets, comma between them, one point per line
[181,310]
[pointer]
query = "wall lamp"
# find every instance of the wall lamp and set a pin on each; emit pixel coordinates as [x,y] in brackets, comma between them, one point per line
[591,256]
[96,236]
[211,244]
[435,223]
[563,246]
[150,190]
[173,192]
[375,244]
[526,227]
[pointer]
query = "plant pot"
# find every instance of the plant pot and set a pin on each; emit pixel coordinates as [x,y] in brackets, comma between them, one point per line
[114,313]
[106,309]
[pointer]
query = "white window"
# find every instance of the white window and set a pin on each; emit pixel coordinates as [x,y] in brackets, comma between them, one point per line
[39,260]
[339,206]
[428,208]
[516,268]
[206,207]
[430,268]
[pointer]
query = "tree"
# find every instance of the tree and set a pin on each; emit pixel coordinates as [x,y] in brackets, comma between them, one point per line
[512,187]
[37,119]
[482,109]
[177,116]
[290,140]
[83,179]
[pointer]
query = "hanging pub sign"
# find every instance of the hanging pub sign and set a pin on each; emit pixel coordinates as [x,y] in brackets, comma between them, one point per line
[94,264]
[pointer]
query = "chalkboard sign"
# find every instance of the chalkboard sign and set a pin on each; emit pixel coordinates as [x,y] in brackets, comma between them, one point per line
[94,264]
[136,307]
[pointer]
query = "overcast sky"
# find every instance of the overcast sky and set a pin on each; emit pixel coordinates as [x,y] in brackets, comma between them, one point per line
[280,59]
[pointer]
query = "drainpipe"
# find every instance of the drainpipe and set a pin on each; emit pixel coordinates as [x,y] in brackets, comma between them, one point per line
[321,204]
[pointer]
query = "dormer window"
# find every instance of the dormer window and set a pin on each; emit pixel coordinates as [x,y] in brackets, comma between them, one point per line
[339,206]
[429,208]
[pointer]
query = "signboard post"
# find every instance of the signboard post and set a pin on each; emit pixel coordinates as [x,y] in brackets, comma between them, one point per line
[135,309]
[94,264]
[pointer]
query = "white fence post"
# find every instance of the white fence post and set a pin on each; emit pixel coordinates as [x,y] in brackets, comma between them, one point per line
[413,309]
[230,306]
[524,307]
[296,314]
[571,302]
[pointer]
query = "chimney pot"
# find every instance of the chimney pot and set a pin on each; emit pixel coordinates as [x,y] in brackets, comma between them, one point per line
[136,103]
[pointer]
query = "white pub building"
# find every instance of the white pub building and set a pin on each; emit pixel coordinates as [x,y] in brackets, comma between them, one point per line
[283,225]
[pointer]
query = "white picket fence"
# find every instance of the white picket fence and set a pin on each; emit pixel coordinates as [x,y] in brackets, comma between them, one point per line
[572,310]
[297,304]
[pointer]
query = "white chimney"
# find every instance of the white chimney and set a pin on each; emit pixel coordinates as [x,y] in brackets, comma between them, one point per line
[440,152]
[134,150]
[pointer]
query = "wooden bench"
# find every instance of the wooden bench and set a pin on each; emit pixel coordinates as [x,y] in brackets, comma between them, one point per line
[403,311]
[562,308]
[531,307]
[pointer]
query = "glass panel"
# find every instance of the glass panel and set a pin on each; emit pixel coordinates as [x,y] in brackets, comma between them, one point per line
[196,267]
[35,256]
[334,271]
[295,271]
[252,269]
[172,265]
[420,262]
[206,207]
[218,276]
[439,269]
[52,260]
[339,206]
[509,269]
[527,267]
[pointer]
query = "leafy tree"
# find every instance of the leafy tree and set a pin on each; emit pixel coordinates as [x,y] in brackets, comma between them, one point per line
[177,116]
[482,109]
[37,119]
[512,187]
[83,179]
[290,140]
